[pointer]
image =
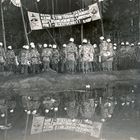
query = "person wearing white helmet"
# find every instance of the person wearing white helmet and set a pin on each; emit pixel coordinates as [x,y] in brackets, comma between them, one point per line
[25,59]
[128,56]
[71,39]
[85,53]
[63,57]
[71,50]
[2,57]
[110,52]
[105,55]
[35,59]
[46,57]
[11,59]
[55,58]
[121,57]
[91,57]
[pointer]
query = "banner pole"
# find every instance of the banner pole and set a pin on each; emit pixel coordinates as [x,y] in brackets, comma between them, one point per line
[26,127]
[3,26]
[6,120]
[102,23]
[24,24]
[51,36]
[53,11]
[82,26]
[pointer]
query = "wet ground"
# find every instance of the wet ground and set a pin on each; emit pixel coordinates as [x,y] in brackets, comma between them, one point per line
[118,128]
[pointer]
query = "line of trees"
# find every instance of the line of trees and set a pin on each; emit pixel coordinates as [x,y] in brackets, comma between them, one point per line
[120,21]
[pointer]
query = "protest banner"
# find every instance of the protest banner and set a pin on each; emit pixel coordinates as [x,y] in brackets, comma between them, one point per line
[41,21]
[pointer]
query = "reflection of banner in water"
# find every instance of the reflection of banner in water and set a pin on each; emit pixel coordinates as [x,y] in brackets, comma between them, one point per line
[91,128]
[37,125]
[40,21]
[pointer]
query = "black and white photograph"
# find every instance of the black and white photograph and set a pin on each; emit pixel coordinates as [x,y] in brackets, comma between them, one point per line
[69,69]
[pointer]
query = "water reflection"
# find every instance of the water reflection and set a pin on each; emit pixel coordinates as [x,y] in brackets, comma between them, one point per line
[107,106]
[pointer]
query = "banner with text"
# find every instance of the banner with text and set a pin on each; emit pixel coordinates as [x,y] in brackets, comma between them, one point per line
[40,21]
[90,128]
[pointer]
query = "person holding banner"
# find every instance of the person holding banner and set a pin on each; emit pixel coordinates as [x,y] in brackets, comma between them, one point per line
[35,58]
[11,59]
[71,51]
[2,57]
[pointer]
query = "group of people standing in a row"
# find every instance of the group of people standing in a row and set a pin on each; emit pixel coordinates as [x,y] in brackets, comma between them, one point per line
[70,57]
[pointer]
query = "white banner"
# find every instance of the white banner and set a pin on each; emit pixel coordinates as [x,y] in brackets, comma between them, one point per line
[41,21]
[16,3]
[90,128]
[35,22]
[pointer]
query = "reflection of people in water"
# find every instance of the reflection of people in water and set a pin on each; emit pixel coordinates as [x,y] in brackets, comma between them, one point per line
[5,127]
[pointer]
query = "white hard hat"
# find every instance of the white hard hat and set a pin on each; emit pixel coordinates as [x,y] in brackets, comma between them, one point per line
[54,46]
[84,41]
[32,43]
[27,47]
[33,46]
[122,43]
[132,44]
[115,44]
[94,45]
[10,47]
[71,39]
[45,45]
[1,44]
[50,45]
[138,43]
[64,45]
[127,43]
[102,38]
[80,46]
[114,47]
[23,46]
[108,40]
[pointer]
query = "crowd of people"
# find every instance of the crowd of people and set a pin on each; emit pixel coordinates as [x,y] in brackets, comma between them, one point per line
[71,58]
